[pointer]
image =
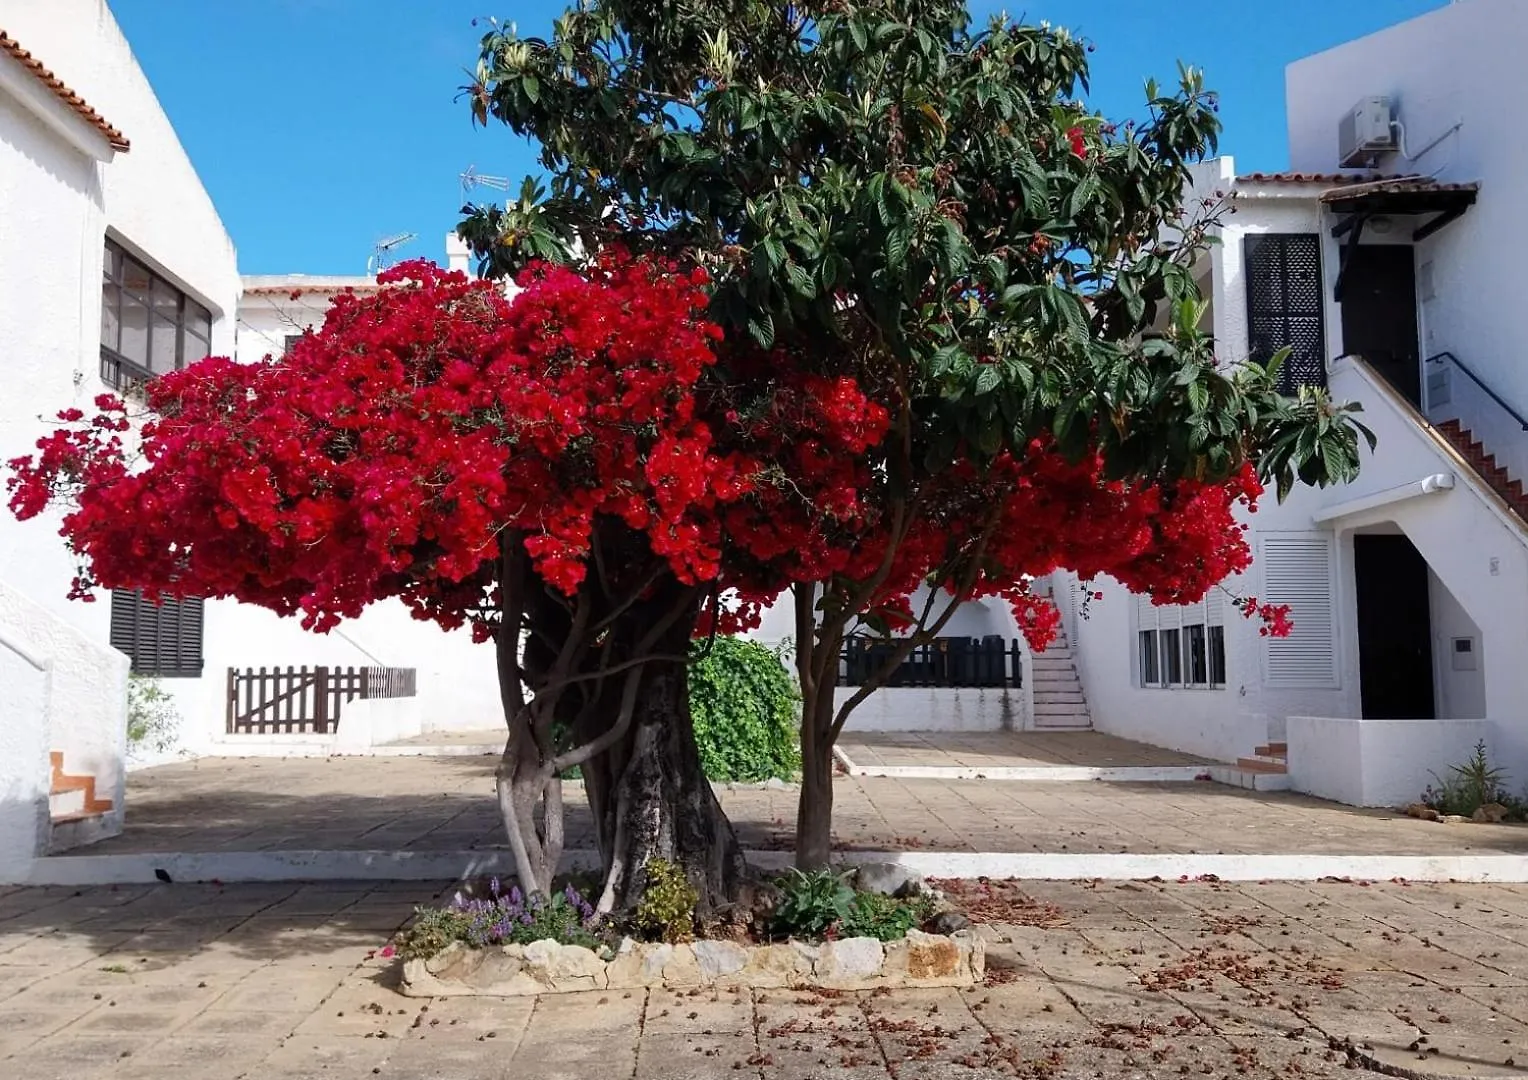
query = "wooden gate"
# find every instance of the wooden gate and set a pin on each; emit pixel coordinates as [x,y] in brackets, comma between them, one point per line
[303,700]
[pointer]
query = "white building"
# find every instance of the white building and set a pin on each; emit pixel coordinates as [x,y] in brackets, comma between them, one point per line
[117,267]
[1396,238]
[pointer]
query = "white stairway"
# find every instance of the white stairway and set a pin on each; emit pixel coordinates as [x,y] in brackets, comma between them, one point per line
[1059,701]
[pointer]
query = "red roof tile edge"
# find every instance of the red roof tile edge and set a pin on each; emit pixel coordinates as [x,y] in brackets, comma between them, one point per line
[61,91]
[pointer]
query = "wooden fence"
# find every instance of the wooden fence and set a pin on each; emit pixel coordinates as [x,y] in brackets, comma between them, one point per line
[947,661]
[304,700]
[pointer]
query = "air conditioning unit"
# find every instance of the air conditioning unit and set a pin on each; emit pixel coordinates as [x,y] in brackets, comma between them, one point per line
[1366,130]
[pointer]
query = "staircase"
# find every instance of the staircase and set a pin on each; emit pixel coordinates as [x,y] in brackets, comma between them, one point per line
[73,797]
[1059,701]
[1269,760]
[1495,476]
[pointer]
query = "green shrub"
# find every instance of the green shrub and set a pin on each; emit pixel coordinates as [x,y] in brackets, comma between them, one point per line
[1471,785]
[666,911]
[747,712]
[152,719]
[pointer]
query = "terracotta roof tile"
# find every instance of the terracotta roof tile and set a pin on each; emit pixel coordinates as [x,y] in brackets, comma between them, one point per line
[1307,178]
[288,290]
[59,90]
[1398,185]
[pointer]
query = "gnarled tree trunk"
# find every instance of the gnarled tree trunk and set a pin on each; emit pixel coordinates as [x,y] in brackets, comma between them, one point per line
[651,800]
[612,668]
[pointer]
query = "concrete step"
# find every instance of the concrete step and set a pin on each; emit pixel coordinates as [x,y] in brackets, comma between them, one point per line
[1059,697]
[64,803]
[1060,708]
[1056,674]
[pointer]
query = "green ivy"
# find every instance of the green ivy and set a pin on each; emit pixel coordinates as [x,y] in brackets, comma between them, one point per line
[746,710]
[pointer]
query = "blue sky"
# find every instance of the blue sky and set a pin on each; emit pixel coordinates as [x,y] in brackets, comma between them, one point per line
[320,126]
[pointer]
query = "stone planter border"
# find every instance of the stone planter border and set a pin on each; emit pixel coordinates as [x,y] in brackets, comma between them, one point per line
[545,967]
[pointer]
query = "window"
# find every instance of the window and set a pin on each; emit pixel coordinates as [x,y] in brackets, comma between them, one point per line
[288,343]
[1150,658]
[1217,656]
[161,639]
[1196,655]
[1297,570]
[1183,645]
[1172,657]
[148,326]
[1285,305]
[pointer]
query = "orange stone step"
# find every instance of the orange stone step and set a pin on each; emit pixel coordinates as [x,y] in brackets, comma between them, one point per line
[1258,765]
[63,782]
[1273,750]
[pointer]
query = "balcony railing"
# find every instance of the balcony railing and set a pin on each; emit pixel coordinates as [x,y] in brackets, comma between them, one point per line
[944,662]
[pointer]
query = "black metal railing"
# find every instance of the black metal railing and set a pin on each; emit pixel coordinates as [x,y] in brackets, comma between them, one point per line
[1438,358]
[946,662]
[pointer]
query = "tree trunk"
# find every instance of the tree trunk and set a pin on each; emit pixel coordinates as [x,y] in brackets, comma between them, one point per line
[660,804]
[814,810]
[648,793]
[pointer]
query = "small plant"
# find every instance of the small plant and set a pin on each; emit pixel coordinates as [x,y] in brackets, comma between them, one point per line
[152,719]
[115,969]
[502,918]
[1468,786]
[431,931]
[667,909]
[813,902]
[884,918]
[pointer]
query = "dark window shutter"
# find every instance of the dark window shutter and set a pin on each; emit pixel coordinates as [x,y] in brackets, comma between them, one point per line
[1284,305]
[160,639]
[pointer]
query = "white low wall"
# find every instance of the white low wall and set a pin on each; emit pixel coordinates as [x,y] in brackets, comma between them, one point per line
[63,691]
[895,708]
[1388,762]
[374,722]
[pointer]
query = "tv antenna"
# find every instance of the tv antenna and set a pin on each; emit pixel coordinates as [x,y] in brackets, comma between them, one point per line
[472,178]
[384,249]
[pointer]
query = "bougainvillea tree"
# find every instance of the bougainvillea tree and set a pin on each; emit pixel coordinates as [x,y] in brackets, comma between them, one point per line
[921,214]
[842,301]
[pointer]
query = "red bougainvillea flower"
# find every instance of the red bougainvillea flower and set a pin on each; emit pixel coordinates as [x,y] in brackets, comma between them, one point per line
[389,451]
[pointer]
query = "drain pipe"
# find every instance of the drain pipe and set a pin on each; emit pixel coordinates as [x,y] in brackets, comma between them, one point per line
[1428,485]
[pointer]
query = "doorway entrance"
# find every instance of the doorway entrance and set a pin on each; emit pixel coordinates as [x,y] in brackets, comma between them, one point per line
[1379,313]
[1395,671]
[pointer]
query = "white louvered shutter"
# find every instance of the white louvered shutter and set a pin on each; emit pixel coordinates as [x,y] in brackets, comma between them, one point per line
[1297,570]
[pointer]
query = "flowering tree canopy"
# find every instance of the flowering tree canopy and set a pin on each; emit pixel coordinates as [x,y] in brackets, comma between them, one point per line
[887,194]
[845,298]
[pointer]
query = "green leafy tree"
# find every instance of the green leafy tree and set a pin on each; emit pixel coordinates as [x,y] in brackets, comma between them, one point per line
[883,191]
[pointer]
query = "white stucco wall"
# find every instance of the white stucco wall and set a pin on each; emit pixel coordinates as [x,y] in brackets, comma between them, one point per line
[64,691]
[1461,64]
[1460,691]
[1386,762]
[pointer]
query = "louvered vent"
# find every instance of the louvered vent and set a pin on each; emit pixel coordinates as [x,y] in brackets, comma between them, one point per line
[160,639]
[1297,570]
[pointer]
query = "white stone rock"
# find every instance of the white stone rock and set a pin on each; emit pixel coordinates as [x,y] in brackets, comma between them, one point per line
[886,878]
[850,963]
[718,959]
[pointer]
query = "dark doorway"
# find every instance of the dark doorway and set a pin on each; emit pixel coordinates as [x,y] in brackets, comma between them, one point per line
[1395,673]
[1379,313]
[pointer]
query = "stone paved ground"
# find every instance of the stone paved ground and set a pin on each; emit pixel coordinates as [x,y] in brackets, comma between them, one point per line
[446,804]
[1148,979]
[1005,748]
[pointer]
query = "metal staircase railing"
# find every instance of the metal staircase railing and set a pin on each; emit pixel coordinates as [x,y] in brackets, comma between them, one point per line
[1439,358]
